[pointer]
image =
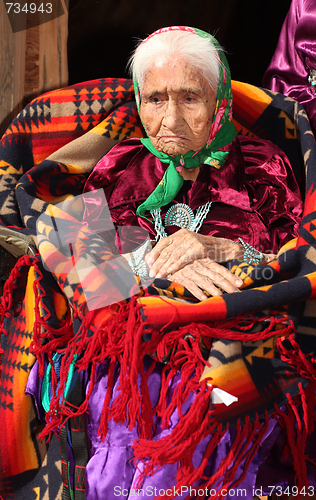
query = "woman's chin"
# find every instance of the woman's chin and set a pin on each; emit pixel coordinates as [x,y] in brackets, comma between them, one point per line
[172,148]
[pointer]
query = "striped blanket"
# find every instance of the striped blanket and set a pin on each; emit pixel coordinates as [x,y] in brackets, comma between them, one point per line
[265,334]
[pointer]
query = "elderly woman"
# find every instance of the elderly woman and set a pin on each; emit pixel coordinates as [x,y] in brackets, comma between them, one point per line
[206,197]
[232,197]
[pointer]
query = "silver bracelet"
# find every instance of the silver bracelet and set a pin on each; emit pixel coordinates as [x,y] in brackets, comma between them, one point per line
[136,260]
[251,254]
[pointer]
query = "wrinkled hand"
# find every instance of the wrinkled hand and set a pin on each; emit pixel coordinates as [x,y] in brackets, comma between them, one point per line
[205,274]
[185,247]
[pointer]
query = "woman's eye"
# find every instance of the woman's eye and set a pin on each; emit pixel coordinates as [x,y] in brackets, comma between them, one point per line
[155,99]
[190,98]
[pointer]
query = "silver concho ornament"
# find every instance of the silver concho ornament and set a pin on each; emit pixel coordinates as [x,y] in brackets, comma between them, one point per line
[179,215]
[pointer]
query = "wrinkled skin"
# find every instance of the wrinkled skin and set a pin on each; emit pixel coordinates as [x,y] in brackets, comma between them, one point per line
[177,109]
[193,260]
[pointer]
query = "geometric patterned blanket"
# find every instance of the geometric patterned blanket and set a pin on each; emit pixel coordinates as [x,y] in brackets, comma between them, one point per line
[45,156]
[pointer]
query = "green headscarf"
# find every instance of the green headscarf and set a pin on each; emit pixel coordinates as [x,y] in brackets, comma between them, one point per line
[222,133]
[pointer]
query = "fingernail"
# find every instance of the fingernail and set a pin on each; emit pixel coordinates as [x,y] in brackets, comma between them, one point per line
[239,282]
[152,273]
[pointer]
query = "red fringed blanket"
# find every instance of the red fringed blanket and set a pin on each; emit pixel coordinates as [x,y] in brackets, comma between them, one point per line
[264,334]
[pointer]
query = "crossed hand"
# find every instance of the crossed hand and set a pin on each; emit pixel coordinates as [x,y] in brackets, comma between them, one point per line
[194,261]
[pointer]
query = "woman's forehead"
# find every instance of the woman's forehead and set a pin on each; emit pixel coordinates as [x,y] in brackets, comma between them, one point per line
[174,75]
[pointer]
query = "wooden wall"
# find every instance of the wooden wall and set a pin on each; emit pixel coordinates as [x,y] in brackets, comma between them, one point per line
[32,61]
[12,70]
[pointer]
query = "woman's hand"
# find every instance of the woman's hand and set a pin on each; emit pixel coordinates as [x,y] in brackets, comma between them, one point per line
[205,274]
[185,247]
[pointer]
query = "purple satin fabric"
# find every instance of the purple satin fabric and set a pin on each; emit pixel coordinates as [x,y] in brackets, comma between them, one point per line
[112,459]
[295,56]
[111,472]
[254,194]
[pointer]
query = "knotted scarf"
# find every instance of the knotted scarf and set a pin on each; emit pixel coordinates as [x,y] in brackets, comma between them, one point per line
[222,133]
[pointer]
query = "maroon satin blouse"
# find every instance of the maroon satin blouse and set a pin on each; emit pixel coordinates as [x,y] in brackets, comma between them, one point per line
[254,194]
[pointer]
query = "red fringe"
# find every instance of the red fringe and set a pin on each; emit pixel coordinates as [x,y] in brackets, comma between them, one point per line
[119,339]
[6,301]
[43,331]
[300,409]
[121,334]
[179,447]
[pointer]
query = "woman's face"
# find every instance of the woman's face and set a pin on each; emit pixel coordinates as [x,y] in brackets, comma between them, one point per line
[177,107]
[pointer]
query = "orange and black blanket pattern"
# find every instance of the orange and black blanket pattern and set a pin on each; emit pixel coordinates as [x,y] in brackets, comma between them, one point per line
[265,334]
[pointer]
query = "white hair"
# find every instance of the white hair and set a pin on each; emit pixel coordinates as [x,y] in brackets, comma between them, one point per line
[197,51]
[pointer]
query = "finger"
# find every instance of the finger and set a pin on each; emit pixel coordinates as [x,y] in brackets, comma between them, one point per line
[269,257]
[196,283]
[207,284]
[179,254]
[172,252]
[192,287]
[174,241]
[154,254]
[160,261]
[219,275]
[220,281]
[218,268]
[176,258]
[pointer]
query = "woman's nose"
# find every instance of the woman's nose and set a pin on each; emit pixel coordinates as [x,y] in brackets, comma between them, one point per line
[172,116]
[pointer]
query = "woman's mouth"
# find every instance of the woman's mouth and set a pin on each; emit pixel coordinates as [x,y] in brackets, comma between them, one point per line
[172,138]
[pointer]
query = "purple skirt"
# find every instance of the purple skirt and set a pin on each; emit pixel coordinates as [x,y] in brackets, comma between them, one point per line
[112,473]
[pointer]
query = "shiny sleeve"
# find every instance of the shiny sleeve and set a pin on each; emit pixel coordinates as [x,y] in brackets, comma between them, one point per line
[273,191]
[295,57]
